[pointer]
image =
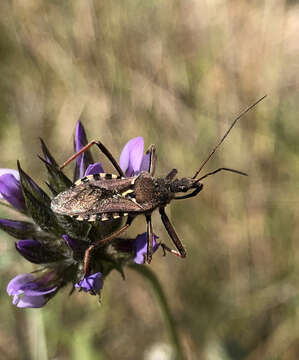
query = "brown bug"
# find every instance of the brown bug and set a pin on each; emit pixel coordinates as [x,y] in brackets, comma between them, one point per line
[103,197]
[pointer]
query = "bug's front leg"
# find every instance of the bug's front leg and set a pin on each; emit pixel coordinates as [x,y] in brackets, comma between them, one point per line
[166,248]
[173,235]
[102,148]
[152,160]
[99,243]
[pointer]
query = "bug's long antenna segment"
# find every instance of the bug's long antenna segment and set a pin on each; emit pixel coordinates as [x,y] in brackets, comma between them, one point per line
[221,169]
[226,133]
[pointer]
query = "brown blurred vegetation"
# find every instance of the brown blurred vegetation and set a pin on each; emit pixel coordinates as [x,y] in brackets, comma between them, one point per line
[175,72]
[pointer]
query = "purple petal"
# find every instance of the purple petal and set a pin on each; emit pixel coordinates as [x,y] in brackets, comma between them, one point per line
[13,172]
[145,164]
[80,142]
[31,250]
[27,291]
[11,191]
[31,301]
[28,245]
[92,283]
[95,168]
[131,156]
[18,282]
[140,245]
[14,224]
[70,242]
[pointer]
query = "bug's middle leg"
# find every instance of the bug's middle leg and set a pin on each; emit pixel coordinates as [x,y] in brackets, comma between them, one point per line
[99,243]
[173,235]
[149,238]
[102,148]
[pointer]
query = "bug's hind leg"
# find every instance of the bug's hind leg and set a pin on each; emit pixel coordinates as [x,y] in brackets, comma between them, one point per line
[101,242]
[173,235]
[102,148]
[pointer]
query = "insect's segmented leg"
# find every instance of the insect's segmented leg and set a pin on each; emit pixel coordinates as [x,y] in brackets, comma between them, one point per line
[171,232]
[149,238]
[88,252]
[166,248]
[152,162]
[104,150]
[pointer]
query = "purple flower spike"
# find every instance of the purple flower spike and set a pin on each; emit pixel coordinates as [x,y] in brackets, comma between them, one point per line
[11,191]
[95,168]
[80,142]
[92,283]
[131,156]
[140,245]
[27,293]
[31,250]
[26,246]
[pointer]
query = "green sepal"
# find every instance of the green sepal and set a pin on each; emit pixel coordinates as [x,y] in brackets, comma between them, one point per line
[41,214]
[31,187]
[57,180]
[47,154]
[73,228]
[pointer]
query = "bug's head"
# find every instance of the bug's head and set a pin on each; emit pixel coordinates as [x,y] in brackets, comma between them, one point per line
[184,185]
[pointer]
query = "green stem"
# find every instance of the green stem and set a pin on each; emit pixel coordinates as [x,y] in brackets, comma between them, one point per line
[158,290]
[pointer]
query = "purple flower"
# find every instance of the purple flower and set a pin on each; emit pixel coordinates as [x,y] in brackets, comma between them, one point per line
[59,243]
[95,168]
[132,160]
[92,283]
[30,250]
[11,191]
[79,142]
[29,292]
[140,247]
[13,172]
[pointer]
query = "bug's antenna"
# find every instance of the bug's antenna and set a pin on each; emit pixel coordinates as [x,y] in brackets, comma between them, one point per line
[226,133]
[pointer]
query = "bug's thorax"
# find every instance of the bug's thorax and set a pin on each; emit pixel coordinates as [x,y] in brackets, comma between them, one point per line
[153,191]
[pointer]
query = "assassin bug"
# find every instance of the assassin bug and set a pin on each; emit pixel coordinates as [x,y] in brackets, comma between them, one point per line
[102,197]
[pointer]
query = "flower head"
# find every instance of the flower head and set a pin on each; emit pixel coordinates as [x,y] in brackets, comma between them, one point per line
[132,160]
[10,190]
[28,291]
[57,242]
[92,283]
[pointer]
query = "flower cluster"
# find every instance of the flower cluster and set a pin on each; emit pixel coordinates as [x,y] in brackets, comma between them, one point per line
[58,243]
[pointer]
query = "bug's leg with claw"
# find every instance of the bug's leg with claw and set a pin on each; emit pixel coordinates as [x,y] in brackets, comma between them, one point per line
[102,148]
[173,235]
[149,238]
[99,243]
[166,248]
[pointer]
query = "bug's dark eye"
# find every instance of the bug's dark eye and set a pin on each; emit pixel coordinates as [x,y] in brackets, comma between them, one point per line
[183,188]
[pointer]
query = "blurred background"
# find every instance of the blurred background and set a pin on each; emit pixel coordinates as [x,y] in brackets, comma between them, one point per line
[177,73]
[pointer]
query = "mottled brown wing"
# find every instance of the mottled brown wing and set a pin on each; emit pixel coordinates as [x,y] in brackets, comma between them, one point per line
[87,199]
